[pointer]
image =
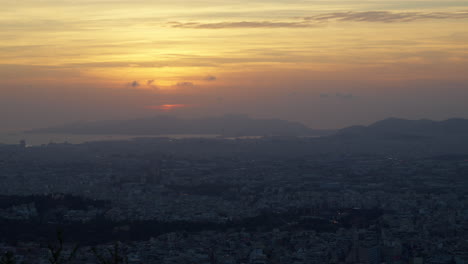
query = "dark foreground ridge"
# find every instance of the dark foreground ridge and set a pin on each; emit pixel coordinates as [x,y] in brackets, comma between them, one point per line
[101,230]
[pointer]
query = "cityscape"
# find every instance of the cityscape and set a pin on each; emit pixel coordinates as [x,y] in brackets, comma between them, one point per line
[233,132]
[221,200]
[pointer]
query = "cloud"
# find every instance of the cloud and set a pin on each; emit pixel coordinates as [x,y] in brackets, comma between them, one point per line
[185,84]
[322,19]
[134,84]
[152,64]
[242,24]
[166,107]
[385,16]
[210,78]
[152,84]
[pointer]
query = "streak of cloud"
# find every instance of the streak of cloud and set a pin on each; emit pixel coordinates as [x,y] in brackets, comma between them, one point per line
[166,107]
[386,16]
[185,84]
[322,19]
[210,78]
[242,24]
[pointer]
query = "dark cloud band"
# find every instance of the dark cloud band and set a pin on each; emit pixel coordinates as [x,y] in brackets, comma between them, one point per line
[322,19]
[241,24]
[386,16]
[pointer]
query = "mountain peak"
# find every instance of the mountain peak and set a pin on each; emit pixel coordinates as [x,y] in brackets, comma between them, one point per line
[422,127]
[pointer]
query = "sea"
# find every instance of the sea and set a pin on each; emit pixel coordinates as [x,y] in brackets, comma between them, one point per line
[33,139]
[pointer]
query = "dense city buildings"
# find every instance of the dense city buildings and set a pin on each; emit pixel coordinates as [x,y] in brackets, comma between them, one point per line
[234,201]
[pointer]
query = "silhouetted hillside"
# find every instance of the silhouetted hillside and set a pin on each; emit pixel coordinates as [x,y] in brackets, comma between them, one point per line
[228,125]
[394,128]
[404,137]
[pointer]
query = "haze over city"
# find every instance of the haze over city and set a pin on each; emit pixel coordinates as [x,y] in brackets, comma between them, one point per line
[327,64]
[234,132]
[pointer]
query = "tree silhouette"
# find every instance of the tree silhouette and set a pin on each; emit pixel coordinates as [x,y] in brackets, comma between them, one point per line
[112,256]
[8,258]
[57,251]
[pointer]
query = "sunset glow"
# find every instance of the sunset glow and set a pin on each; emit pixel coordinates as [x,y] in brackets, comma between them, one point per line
[167,107]
[263,58]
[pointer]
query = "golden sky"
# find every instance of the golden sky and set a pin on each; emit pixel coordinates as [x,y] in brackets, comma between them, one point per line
[230,56]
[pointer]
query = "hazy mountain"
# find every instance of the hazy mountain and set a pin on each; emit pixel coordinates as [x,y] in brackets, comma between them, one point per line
[404,137]
[228,125]
[394,128]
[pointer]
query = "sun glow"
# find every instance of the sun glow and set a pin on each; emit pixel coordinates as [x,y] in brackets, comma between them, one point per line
[252,56]
[166,107]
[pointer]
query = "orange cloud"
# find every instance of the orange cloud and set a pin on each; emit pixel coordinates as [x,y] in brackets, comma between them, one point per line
[166,107]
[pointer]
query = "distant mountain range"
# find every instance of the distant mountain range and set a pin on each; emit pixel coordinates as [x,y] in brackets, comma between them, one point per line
[241,125]
[403,129]
[227,125]
[391,136]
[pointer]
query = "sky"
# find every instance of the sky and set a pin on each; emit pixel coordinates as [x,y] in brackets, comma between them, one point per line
[326,63]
